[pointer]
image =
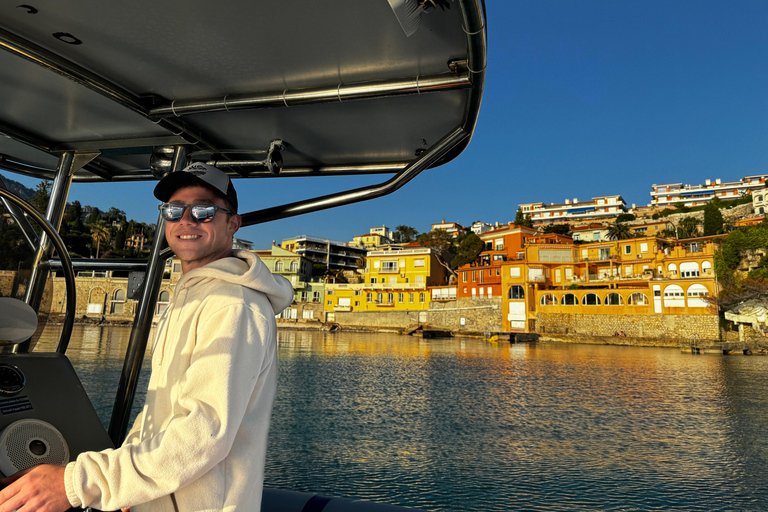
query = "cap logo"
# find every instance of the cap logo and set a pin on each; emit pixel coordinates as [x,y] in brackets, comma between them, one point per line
[197,170]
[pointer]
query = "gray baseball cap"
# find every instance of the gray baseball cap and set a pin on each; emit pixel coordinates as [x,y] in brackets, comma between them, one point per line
[201,174]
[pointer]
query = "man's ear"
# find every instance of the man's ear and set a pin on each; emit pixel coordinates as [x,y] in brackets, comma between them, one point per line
[234,223]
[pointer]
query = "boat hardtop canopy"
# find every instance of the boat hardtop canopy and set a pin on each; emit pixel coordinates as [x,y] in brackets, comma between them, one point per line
[261,89]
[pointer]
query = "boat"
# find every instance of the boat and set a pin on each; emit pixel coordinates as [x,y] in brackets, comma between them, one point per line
[113,92]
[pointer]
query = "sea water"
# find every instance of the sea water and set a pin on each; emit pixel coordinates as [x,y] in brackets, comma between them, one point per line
[464,424]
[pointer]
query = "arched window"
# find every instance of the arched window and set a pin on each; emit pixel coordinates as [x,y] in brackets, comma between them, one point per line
[674,297]
[379,298]
[697,294]
[613,299]
[761,210]
[294,266]
[590,299]
[569,299]
[118,302]
[548,300]
[706,267]
[638,299]
[278,266]
[516,292]
[96,300]
[390,298]
[421,297]
[162,302]
[758,198]
[672,269]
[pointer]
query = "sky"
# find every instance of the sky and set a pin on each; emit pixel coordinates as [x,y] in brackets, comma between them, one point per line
[582,99]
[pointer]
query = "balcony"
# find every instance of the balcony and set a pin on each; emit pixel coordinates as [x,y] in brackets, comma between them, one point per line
[384,304]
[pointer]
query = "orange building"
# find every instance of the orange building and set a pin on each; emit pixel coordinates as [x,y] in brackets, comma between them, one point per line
[482,278]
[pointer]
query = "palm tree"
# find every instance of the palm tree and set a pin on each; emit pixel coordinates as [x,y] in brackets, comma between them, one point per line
[99,233]
[619,231]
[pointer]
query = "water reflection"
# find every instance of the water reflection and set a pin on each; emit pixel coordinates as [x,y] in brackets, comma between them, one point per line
[463,424]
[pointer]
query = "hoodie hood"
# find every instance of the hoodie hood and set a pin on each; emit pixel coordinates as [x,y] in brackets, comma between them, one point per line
[246,269]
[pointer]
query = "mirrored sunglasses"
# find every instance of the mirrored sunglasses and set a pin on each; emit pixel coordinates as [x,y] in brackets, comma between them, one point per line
[173,212]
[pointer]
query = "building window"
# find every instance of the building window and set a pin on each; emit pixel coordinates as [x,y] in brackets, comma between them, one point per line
[118,301]
[421,298]
[330,302]
[303,296]
[548,300]
[389,266]
[613,299]
[162,302]
[357,292]
[294,266]
[569,299]
[464,274]
[329,292]
[316,296]
[473,276]
[590,299]
[390,298]
[278,266]
[400,298]
[373,280]
[369,297]
[379,298]
[498,271]
[482,274]
[516,292]
[419,262]
[357,303]
[638,299]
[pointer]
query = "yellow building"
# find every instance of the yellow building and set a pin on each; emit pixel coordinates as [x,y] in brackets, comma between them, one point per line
[638,276]
[395,280]
[369,240]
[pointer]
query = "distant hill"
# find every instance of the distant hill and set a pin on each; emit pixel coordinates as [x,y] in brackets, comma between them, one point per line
[17,188]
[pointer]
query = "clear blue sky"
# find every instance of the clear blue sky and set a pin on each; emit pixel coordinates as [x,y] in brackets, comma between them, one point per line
[582,99]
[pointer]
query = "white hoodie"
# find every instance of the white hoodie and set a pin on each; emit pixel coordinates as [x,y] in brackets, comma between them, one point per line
[202,434]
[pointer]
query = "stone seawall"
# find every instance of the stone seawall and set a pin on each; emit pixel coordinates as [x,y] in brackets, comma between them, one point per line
[467,316]
[655,330]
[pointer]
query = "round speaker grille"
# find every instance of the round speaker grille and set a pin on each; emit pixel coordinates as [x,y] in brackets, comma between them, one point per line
[27,443]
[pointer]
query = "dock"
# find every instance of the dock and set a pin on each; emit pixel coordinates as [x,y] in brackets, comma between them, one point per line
[747,348]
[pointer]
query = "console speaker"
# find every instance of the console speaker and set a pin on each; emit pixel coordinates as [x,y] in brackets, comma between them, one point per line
[27,443]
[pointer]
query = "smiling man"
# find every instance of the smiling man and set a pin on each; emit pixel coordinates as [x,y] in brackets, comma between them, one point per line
[199,443]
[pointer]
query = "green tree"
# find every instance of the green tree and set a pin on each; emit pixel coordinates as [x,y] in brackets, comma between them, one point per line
[99,234]
[688,227]
[74,218]
[713,219]
[523,219]
[468,249]
[94,216]
[619,231]
[42,196]
[624,217]
[560,229]
[442,244]
[404,234]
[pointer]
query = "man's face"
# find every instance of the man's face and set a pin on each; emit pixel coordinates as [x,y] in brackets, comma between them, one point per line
[197,244]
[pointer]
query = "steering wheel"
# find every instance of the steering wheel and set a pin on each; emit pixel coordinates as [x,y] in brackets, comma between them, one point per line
[66,264]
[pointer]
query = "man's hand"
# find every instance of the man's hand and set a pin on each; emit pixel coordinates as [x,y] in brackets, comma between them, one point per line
[40,488]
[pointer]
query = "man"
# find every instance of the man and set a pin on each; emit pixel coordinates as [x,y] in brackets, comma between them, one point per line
[199,443]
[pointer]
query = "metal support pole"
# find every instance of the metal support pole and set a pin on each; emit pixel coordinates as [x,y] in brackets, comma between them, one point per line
[69,163]
[142,324]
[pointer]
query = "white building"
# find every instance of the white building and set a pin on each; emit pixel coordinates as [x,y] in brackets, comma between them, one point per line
[760,201]
[667,195]
[570,211]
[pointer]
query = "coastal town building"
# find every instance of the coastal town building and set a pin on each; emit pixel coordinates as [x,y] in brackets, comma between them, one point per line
[394,280]
[573,210]
[667,195]
[561,286]
[482,278]
[454,228]
[333,255]
[760,201]
[369,240]
[479,228]
[590,233]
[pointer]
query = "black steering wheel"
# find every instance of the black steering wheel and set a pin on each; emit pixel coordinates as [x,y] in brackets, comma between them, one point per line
[66,264]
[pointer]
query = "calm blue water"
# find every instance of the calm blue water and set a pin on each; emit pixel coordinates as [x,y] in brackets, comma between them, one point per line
[462,424]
